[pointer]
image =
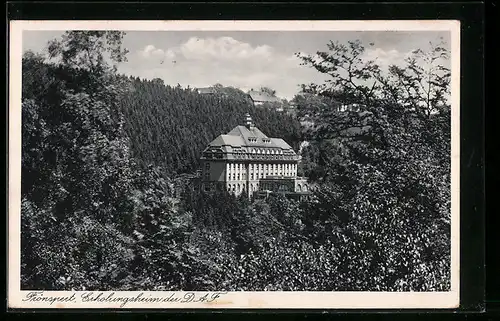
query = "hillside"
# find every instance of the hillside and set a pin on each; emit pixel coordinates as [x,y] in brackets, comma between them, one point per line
[170,126]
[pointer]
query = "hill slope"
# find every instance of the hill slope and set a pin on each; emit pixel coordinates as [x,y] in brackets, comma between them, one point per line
[170,126]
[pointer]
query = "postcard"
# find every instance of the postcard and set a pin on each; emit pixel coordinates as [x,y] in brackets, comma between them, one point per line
[234,164]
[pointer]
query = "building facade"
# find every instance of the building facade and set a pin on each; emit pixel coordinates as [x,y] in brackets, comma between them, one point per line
[245,161]
[259,98]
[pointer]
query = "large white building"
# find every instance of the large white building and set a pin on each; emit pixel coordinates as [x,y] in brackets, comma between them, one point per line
[245,158]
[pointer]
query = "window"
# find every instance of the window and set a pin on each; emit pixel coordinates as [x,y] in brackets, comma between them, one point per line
[207,188]
[207,166]
[207,176]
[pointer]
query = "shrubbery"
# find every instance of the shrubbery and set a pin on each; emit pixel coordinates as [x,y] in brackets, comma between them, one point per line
[100,210]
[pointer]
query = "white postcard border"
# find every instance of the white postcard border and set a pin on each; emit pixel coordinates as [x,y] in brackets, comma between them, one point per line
[231,300]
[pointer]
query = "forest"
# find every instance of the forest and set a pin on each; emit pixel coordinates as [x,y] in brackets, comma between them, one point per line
[170,126]
[101,152]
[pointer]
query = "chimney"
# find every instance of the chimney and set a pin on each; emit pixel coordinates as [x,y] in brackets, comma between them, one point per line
[248,121]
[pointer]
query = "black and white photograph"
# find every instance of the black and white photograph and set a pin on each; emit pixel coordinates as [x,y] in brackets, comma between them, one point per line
[233,165]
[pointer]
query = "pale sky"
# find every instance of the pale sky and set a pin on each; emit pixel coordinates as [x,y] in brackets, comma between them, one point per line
[245,59]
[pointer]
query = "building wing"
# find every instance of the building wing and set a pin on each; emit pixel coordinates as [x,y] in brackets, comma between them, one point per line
[248,139]
[259,96]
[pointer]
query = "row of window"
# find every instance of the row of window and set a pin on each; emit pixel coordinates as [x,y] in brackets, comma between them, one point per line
[237,171]
[282,187]
[237,188]
[232,188]
[258,156]
[277,187]
[239,167]
[255,139]
[263,151]
[257,171]
[287,156]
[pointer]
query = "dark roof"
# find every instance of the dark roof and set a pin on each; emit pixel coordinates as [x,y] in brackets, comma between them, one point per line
[240,136]
[262,96]
[207,90]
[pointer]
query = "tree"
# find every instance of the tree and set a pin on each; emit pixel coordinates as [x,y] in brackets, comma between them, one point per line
[170,127]
[421,85]
[158,81]
[424,83]
[76,167]
[269,91]
[384,182]
[89,50]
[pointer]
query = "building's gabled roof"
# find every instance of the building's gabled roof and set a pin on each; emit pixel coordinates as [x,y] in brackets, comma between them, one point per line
[241,136]
[228,140]
[208,90]
[260,96]
[245,132]
[280,143]
[248,142]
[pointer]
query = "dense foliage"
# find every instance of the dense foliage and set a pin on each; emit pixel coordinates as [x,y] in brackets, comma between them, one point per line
[384,168]
[170,126]
[104,204]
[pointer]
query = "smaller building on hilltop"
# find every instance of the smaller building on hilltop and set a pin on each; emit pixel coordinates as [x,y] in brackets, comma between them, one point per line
[260,98]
